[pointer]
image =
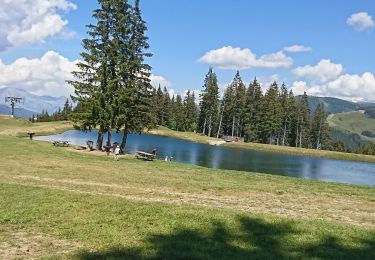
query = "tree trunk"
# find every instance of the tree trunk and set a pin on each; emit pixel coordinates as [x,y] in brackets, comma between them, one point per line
[320,127]
[204,126]
[99,140]
[284,134]
[123,140]
[109,138]
[300,138]
[218,130]
[210,126]
[297,133]
[233,127]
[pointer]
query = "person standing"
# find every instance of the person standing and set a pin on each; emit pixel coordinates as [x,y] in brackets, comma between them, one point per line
[117,152]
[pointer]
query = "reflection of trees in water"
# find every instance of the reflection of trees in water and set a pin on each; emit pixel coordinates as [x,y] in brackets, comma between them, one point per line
[256,239]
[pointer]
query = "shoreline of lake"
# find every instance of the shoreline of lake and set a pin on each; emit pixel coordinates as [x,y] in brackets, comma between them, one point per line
[229,158]
[50,128]
[194,137]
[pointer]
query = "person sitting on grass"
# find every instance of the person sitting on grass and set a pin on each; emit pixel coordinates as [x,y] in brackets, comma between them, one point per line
[117,152]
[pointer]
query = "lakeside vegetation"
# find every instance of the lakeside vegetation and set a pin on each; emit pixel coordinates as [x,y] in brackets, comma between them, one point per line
[55,202]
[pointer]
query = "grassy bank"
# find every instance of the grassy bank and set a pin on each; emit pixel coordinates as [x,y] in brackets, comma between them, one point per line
[20,127]
[264,147]
[55,202]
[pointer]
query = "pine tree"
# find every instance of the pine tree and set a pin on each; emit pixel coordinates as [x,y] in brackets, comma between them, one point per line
[135,95]
[190,112]
[234,108]
[159,102]
[292,120]
[287,103]
[91,84]
[303,123]
[252,112]
[240,102]
[112,82]
[167,109]
[272,115]
[229,112]
[209,104]
[319,128]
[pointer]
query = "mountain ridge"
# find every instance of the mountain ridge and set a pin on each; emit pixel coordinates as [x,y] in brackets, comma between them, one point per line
[31,102]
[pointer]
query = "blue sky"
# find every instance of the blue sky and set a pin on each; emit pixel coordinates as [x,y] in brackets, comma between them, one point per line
[187,37]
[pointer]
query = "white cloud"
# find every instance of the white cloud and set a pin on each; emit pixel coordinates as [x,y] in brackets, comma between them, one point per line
[349,87]
[266,81]
[159,80]
[229,57]
[352,87]
[41,76]
[360,21]
[322,72]
[28,22]
[297,48]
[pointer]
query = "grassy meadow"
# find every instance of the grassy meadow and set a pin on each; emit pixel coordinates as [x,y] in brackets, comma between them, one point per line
[353,122]
[56,203]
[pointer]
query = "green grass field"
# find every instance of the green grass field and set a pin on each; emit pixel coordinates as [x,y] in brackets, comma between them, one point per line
[353,122]
[56,203]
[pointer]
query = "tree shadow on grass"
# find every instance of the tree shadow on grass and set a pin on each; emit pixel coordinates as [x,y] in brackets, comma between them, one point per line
[256,239]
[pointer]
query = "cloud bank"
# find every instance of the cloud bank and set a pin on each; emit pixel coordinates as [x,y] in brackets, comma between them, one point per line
[327,79]
[229,57]
[25,22]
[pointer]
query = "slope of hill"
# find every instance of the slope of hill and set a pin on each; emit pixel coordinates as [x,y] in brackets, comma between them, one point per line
[353,128]
[18,112]
[332,105]
[33,102]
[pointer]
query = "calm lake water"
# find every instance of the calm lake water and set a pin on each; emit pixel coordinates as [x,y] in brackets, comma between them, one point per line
[220,157]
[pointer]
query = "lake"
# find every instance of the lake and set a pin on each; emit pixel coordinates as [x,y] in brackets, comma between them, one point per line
[221,157]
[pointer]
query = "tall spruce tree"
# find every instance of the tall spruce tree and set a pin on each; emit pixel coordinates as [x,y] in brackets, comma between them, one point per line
[91,84]
[234,110]
[229,112]
[240,102]
[320,136]
[179,114]
[190,112]
[272,115]
[167,109]
[134,101]
[159,106]
[252,112]
[112,83]
[209,105]
[287,103]
[303,123]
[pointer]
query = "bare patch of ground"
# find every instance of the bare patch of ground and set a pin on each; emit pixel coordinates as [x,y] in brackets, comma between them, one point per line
[25,244]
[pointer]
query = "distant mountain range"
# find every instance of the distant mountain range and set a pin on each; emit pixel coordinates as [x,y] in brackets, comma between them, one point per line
[18,112]
[335,105]
[31,104]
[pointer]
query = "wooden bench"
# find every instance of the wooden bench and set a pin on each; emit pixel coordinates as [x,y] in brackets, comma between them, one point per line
[145,156]
[60,143]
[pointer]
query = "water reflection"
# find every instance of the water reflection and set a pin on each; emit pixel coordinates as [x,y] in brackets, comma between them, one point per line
[238,159]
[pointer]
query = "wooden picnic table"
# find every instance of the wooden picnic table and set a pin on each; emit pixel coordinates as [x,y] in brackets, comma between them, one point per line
[145,156]
[60,143]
